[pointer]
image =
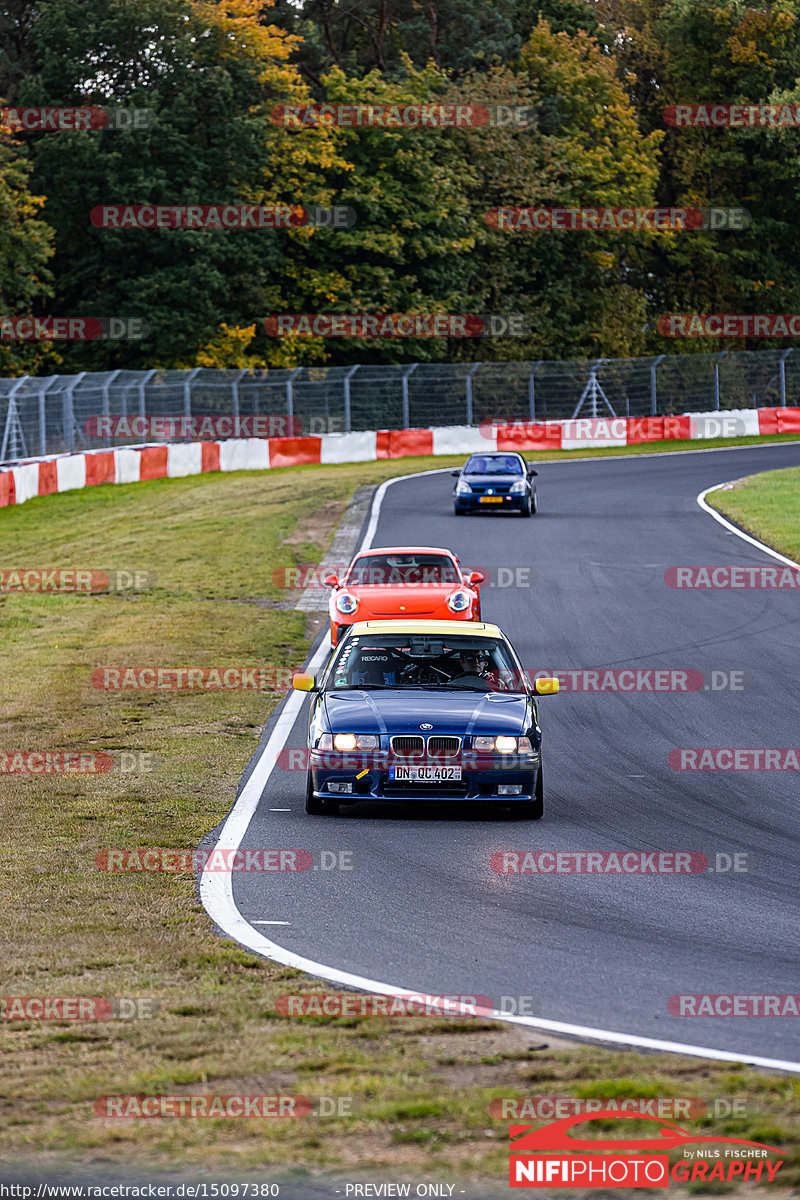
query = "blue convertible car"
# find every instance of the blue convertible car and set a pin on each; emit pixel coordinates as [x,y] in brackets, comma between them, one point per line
[424,710]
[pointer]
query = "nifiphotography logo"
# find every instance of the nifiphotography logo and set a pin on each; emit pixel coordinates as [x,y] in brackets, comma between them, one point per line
[569,1162]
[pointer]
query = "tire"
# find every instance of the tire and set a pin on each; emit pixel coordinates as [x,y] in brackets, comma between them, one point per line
[314,806]
[527,510]
[532,810]
[460,512]
[534,501]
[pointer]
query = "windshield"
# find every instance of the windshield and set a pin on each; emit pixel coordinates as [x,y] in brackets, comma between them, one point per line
[383,569]
[402,660]
[493,464]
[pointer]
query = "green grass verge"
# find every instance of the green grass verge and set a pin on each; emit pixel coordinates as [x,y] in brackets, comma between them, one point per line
[420,1089]
[767,506]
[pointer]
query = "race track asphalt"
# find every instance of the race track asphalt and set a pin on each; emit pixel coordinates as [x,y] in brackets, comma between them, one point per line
[425,911]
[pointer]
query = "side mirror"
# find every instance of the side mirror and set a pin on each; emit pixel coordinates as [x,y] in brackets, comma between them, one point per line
[476,578]
[546,687]
[455,474]
[330,580]
[532,471]
[304,683]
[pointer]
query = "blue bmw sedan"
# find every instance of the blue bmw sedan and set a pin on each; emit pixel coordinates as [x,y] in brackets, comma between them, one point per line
[417,711]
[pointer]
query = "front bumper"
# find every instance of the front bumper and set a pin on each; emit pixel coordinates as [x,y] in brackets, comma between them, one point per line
[341,622]
[369,777]
[504,503]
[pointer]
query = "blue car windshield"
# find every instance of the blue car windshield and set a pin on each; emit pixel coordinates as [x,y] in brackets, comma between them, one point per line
[402,660]
[493,464]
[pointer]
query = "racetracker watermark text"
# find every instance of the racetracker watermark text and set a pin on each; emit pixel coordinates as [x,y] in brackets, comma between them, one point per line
[72,329]
[405,1004]
[733,1005]
[220,216]
[617,220]
[155,858]
[76,1008]
[70,120]
[618,862]
[404,116]
[397,325]
[732,577]
[208,1106]
[87,581]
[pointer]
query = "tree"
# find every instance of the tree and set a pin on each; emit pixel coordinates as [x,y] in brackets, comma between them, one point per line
[211,73]
[583,292]
[25,249]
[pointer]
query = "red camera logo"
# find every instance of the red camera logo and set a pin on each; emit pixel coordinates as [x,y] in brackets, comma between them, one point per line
[629,1162]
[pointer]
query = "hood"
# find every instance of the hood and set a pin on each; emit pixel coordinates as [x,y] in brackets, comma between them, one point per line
[409,599]
[492,481]
[454,711]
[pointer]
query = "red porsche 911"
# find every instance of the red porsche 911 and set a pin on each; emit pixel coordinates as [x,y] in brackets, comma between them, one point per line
[403,581]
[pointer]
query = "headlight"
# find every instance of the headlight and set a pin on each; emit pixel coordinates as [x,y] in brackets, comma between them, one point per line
[459,601]
[355,741]
[517,489]
[463,488]
[325,742]
[502,744]
[346,603]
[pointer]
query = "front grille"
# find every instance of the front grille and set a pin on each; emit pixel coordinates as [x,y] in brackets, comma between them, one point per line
[443,747]
[410,788]
[407,746]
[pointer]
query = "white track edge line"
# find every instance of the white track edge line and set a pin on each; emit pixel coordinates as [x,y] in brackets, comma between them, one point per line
[216,887]
[701,500]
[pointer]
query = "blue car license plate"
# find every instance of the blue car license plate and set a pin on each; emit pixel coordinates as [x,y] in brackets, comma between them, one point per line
[425,774]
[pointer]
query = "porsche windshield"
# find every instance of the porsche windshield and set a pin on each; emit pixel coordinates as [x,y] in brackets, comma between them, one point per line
[387,569]
[493,464]
[393,661]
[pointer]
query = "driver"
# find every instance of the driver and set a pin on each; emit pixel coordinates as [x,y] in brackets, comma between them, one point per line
[472,662]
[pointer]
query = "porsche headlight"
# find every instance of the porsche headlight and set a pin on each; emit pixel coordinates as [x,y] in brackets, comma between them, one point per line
[355,741]
[518,488]
[463,488]
[346,603]
[458,601]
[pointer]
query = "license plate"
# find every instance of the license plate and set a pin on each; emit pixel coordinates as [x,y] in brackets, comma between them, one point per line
[491,500]
[425,774]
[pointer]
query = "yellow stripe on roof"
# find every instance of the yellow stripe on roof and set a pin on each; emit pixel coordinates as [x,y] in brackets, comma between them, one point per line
[461,628]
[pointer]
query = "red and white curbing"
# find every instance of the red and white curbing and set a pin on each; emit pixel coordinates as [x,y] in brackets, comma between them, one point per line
[130,464]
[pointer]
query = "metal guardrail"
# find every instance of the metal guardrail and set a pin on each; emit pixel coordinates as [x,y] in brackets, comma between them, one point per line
[55,414]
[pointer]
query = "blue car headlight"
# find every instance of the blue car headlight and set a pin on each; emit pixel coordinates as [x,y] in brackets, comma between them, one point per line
[502,744]
[517,489]
[463,488]
[355,741]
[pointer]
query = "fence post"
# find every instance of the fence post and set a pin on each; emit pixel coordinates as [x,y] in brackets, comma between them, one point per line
[106,404]
[532,390]
[235,400]
[717,361]
[348,376]
[290,395]
[653,393]
[42,398]
[142,384]
[12,421]
[406,375]
[69,410]
[187,392]
[784,357]
[470,373]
